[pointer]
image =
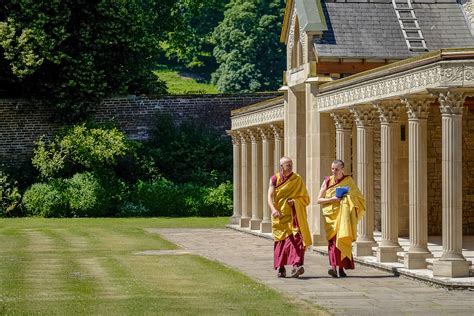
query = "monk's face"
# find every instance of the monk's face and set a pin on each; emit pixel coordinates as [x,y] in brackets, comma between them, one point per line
[287,166]
[337,170]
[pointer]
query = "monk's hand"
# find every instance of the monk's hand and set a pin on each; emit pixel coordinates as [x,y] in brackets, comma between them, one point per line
[275,214]
[291,202]
[335,199]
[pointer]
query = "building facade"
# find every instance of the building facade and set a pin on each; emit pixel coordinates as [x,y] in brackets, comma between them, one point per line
[388,87]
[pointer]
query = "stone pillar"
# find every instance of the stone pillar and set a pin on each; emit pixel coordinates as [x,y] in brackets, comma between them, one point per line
[365,178]
[246,174]
[343,123]
[389,116]
[237,186]
[268,143]
[278,134]
[417,110]
[452,262]
[257,186]
[295,130]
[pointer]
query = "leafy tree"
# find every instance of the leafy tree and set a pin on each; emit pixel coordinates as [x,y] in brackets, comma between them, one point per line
[73,53]
[248,50]
[191,41]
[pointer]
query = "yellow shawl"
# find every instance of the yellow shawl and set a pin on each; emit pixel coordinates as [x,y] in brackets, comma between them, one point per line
[341,217]
[282,227]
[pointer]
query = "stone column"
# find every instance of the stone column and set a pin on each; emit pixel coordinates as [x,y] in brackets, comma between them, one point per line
[295,130]
[278,153]
[389,116]
[452,262]
[343,123]
[417,110]
[365,178]
[246,174]
[257,193]
[268,142]
[237,186]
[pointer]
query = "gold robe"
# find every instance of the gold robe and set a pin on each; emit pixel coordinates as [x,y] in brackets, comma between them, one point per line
[282,227]
[341,217]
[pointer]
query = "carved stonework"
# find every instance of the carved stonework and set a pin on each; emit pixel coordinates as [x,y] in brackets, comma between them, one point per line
[244,137]
[417,108]
[254,134]
[388,112]
[266,132]
[342,120]
[277,131]
[270,115]
[363,116]
[235,137]
[291,33]
[450,102]
[452,74]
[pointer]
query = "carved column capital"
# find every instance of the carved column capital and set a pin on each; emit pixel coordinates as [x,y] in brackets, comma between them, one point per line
[235,137]
[277,131]
[266,132]
[342,120]
[450,102]
[417,107]
[254,135]
[363,116]
[244,136]
[389,112]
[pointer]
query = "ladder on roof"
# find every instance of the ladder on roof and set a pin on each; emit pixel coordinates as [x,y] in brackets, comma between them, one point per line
[409,25]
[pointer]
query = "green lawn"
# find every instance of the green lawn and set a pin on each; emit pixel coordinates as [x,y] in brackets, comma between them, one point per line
[93,267]
[182,83]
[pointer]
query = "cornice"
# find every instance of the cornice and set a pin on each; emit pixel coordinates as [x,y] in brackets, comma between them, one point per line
[266,115]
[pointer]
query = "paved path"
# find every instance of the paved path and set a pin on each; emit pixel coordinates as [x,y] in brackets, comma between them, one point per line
[367,291]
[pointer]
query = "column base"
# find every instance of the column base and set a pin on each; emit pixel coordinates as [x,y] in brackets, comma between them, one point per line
[388,253]
[244,222]
[363,248]
[266,227]
[255,224]
[451,268]
[235,220]
[416,260]
[319,240]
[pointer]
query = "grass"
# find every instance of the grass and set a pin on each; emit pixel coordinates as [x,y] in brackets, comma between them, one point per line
[184,83]
[94,267]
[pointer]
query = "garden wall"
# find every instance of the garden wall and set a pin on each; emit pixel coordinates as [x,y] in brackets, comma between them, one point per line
[22,123]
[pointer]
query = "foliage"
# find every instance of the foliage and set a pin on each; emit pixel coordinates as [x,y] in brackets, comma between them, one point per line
[86,195]
[160,197]
[247,46]
[72,54]
[46,199]
[189,152]
[179,83]
[79,146]
[190,43]
[10,196]
[218,200]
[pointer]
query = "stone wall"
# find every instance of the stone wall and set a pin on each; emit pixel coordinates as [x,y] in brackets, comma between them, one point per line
[22,123]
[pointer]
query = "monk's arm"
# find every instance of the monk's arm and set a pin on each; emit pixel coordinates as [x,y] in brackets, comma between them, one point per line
[322,193]
[271,191]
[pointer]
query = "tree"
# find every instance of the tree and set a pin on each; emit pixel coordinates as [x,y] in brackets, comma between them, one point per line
[191,41]
[74,53]
[248,50]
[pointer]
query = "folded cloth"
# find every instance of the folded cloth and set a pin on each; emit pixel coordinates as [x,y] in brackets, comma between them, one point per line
[341,191]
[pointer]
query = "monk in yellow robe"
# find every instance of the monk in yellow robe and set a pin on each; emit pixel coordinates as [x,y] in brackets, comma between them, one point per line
[287,199]
[341,214]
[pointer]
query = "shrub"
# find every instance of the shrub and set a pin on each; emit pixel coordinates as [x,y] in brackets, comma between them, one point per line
[46,199]
[10,197]
[86,196]
[218,201]
[161,197]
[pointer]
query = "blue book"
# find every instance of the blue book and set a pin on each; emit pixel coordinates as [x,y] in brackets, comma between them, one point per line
[341,191]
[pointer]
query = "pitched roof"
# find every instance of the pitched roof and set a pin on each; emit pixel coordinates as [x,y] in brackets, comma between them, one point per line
[372,29]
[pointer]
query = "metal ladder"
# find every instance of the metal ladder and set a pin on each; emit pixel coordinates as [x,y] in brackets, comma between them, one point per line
[409,25]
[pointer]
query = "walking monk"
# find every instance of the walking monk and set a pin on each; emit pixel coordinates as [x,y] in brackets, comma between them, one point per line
[287,199]
[341,214]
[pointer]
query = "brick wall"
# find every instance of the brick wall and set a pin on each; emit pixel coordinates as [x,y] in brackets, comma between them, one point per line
[22,123]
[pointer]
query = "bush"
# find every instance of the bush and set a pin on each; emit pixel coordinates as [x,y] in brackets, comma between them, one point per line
[10,197]
[218,201]
[161,197]
[46,199]
[86,196]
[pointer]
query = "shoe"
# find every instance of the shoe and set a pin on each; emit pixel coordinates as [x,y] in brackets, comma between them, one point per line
[342,274]
[297,271]
[332,272]
[281,272]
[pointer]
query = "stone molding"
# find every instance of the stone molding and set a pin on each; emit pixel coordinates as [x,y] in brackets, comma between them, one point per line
[417,107]
[261,117]
[342,120]
[388,112]
[438,75]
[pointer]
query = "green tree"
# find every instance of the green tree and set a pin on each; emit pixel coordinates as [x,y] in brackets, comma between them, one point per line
[191,41]
[74,53]
[248,50]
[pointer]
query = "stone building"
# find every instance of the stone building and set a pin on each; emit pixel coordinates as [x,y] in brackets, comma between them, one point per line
[387,86]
